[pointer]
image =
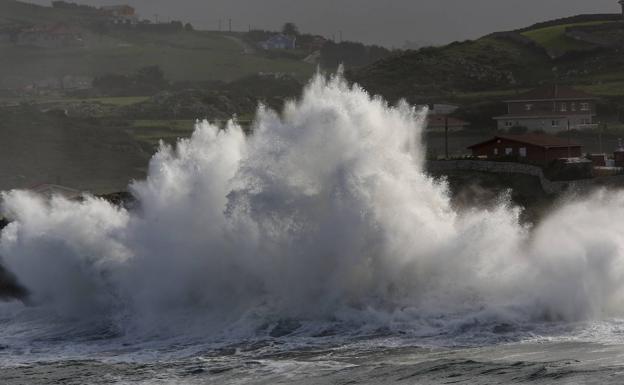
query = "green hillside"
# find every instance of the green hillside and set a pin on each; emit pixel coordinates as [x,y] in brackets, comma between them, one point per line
[502,64]
[455,70]
[12,12]
[554,38]
[182,54]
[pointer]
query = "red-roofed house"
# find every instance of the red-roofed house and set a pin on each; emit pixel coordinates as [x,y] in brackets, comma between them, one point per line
[550,108]
[120,14]
[534,148]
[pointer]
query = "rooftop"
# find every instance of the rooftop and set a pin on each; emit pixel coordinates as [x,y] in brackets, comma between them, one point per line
[553,92]
[540,140]
[435,120]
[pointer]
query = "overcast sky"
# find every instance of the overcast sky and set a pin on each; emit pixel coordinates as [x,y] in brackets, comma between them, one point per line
[387,22]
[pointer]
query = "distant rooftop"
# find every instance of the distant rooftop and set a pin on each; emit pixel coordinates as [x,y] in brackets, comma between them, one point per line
[115,7]
[437,120]
[553,92]
[540,140]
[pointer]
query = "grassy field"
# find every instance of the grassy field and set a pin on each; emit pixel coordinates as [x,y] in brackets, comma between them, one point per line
[178,63]
[183,55]
[613,88]
[117,101]
[151,132]
[555,40]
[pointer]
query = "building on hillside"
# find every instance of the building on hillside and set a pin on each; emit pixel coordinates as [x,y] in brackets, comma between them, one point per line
[618,155]
[312,43]
[551,109]
[50,36]
[279,41]
[437,122]
[599,160]
[120,14]
[531,148]
[442,109]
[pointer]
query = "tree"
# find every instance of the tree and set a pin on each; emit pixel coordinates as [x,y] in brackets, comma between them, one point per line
[112,84]
[177,25]
[290,29]
[189,27]
[150,78]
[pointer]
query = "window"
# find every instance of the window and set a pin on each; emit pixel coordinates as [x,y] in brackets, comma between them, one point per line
[528,107]
[584,106]
[508,151]
[523,152]
[508,124]
[496,151]
[564,107]
[572,106]
[555,123]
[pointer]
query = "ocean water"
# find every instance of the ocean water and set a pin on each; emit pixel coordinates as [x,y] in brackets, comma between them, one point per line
[314,251]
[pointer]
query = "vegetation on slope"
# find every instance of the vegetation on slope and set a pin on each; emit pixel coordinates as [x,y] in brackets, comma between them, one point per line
[443,73]
[500,65]
[554,38]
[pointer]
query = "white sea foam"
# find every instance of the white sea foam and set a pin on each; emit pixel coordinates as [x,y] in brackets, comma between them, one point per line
[324,214]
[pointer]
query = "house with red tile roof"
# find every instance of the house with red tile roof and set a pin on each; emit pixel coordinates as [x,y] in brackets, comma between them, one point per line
[120,14]
[550,108]
[532,148]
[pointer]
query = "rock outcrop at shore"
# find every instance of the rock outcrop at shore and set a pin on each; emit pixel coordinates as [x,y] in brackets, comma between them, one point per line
[10,289]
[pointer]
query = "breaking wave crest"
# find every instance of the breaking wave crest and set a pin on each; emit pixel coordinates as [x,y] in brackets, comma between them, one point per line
[324,214]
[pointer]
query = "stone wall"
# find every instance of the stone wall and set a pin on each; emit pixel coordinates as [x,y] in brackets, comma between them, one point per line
[550,187]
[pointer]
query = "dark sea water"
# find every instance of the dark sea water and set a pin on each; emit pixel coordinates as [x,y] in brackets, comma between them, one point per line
[548,353]
[523,363]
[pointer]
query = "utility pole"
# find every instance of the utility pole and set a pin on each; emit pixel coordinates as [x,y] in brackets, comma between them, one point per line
[230,21]
[156,18]
[340,33]
[446,129]
[569,140]
[600,130]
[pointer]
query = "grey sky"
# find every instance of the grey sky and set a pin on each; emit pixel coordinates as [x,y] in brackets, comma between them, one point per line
[387,22]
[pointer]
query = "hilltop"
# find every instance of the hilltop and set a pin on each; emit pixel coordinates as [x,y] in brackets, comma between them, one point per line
[584,51]
[183,53]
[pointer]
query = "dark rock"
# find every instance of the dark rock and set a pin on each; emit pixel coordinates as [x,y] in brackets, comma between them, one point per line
[122,198]
[10,287]
[503,328]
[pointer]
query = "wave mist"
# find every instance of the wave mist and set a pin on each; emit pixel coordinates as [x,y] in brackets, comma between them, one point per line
[324,214]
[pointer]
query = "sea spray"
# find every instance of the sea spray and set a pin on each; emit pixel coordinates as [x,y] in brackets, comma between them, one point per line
[323,214]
